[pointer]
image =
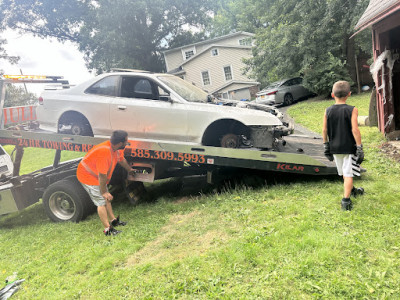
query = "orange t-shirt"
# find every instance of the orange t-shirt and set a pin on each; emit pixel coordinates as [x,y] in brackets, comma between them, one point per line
[99,159]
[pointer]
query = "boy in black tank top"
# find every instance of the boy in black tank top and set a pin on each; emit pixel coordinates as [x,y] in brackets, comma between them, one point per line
[342,140]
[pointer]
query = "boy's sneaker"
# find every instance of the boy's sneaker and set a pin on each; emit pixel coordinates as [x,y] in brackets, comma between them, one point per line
[357,191]
[117,222]
[347,204]
[111,231]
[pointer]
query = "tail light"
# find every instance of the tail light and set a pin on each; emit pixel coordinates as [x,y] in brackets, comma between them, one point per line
[40,100]
[272,93]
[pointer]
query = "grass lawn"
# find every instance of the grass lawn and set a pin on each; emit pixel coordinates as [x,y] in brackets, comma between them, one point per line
[272,237]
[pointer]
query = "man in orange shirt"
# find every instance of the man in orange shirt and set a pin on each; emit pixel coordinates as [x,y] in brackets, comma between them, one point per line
[95,171]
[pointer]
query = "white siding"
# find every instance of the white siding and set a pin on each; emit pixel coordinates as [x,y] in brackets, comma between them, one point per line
[174,58]
[215,65]
[235,86]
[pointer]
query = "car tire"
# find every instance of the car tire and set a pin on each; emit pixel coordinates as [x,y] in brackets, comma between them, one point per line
[230,140]
[65,200]
[288,99]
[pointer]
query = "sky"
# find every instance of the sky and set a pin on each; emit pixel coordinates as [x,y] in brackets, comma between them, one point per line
[44,57]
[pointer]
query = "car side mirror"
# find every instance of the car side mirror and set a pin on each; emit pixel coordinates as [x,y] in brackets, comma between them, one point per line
[166,98]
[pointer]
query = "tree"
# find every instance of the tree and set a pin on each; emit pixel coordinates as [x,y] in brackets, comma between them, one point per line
[112,33]
[301,37]
[3,52]
[18,96]
[4,55]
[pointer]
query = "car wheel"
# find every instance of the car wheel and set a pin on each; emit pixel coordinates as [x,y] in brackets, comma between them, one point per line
[80,128]
[75,124]
[288,99]
[230,140]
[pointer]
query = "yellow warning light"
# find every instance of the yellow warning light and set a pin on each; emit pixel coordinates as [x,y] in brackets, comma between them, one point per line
[18,77]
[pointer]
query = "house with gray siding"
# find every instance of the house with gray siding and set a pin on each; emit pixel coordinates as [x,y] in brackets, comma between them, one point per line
[215,65]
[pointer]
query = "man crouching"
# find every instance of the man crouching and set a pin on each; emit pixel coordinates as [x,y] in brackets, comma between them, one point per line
[95,171]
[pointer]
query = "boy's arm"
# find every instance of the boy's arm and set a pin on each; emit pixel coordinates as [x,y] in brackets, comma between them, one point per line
[354,126]
[325,129]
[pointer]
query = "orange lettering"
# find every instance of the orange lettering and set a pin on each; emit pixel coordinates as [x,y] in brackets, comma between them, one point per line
[5,116]
[11,115]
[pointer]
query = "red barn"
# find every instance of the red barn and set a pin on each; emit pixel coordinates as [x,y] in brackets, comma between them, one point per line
[383,17]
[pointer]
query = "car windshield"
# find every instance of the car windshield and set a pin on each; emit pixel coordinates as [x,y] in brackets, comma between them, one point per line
[186,90]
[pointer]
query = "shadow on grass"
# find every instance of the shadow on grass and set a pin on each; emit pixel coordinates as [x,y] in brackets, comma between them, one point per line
[33,215]
[174,189]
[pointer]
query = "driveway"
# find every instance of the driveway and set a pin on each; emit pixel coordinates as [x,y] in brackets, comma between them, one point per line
[298,129]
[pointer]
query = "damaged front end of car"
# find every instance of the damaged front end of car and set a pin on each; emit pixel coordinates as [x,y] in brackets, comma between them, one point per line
[268,137]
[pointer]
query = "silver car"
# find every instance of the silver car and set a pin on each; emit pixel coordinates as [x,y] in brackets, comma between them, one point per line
[284,92]
[159,107]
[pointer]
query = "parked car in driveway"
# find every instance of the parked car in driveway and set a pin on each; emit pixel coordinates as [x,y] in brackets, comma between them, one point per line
[158,107]
[284,92]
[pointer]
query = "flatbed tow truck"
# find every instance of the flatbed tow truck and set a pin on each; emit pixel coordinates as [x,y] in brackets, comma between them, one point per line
[65,200]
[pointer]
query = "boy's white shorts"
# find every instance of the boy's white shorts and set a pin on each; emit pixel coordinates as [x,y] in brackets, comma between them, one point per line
[346,165]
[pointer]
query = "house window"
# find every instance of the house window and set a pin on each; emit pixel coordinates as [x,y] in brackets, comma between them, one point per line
[245,42]
[206,77]
[189,54]
[228,73]
[214,52]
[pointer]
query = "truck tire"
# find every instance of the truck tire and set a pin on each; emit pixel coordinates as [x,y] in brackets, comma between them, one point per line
[88,205]
[64,200]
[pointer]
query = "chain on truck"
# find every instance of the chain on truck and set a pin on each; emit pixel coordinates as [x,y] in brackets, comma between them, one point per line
[65,200]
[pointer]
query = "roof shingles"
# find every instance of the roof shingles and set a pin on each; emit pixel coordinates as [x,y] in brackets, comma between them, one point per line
[375,10]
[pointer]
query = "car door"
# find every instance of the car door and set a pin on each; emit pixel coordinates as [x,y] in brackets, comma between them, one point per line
[284,88]
[144,109]
[299,90]
[95,106]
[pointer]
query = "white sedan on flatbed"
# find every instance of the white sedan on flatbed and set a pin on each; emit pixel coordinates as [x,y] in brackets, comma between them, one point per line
[157,107]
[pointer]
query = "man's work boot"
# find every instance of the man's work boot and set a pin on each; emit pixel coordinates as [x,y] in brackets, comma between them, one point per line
[117,222]
[111,231]
[347,204]
[357,191]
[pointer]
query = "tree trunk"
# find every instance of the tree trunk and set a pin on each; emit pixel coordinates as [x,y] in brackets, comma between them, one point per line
[350,54]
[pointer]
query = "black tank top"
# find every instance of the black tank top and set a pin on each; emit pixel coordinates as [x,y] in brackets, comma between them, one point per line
[341,139]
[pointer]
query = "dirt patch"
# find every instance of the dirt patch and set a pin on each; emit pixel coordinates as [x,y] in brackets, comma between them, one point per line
[392,150]
[184,236]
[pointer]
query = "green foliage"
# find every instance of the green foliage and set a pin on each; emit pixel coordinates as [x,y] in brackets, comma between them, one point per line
[4,55]
[307,37]
[113,33]
[322,76]
[17,96]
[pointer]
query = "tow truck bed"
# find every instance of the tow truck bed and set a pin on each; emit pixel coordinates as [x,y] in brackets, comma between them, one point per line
[62,195]
[300,154]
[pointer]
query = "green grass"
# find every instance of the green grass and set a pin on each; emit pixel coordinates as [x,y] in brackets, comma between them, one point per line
[271,237]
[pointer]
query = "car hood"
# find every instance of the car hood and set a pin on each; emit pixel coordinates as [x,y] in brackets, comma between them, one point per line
[251,105]
[232,110]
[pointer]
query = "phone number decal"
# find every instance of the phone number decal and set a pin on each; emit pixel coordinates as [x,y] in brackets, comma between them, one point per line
[166,155]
